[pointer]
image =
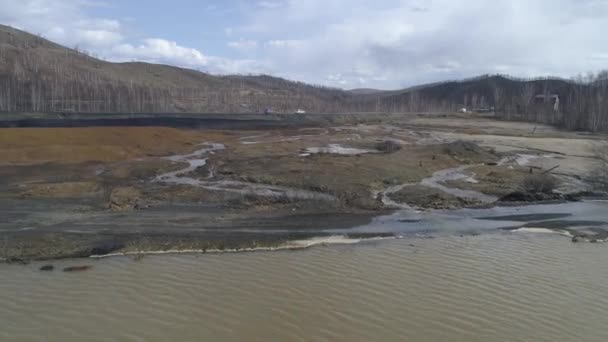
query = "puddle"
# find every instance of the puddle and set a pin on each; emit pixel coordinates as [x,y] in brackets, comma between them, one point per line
[522,159]
[336,149]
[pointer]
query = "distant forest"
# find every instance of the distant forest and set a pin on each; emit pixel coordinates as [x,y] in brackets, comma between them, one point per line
[37,75]
[580,103]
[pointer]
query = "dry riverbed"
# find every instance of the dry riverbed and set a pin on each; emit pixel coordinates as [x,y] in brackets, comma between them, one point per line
[91,191]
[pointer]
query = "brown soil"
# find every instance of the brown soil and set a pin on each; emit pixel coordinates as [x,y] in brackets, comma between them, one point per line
[60,190]
[103,144]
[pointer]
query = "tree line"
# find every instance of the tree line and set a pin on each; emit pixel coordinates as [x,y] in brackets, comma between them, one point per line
[37,76]
[580,103]
[68,80]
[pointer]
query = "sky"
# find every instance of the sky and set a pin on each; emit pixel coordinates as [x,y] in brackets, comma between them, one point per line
[384,44]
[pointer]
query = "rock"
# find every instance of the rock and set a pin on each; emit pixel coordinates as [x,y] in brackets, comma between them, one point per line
[77,268]
[578,238]
[106,247]
[572,197]
[125,199]
[595,238]
[47,268]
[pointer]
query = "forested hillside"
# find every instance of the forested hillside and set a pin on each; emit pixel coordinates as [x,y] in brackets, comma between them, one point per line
[580,103]
[37,75]
[41,76]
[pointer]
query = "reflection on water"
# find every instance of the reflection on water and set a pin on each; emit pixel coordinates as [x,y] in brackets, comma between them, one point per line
[493,287]
[442,222]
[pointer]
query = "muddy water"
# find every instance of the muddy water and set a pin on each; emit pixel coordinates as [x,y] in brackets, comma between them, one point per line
[493,287]
[433,223]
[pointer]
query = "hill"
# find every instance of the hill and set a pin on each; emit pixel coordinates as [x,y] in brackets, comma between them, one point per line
[37,75]
[580,104]
[366,91]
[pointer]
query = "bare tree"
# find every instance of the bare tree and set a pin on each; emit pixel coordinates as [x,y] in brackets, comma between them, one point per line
[527,95]
[600,175]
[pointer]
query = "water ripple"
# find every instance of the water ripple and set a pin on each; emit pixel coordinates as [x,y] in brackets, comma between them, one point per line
[493,287]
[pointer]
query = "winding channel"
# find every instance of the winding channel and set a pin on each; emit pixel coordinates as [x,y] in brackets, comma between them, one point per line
[406,220]
[199,159]
[435,181]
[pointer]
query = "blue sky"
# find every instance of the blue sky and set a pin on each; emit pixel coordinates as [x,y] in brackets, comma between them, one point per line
[198,24]
[342,43]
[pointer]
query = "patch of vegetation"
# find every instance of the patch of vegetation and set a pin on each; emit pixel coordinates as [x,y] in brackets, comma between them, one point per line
[535,188]
[425,197]
[540,183]
[468,151]
[250,200]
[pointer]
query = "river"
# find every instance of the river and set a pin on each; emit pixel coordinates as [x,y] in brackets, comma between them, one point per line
[451,275]
[500,286]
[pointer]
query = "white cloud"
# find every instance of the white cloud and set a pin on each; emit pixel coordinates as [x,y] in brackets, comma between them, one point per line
[600,56]
[238,66]
[243,44]
[98,38]
[350,43]
[62,21]
[394,43]
[65,22]
[158,50]
[285,43]
[270,4]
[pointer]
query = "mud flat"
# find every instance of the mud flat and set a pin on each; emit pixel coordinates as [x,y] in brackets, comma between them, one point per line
[81,191]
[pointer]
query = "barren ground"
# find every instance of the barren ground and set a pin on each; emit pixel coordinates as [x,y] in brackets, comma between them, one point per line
[82,191]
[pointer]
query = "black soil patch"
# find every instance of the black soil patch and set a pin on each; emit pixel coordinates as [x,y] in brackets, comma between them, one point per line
[519,196]
[409,220]
[526,217]
[563,224]
[369,235]
[160,121]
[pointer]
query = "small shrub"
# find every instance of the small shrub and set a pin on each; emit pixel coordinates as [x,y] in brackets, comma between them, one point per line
[461,147]
[221,246]
[540,183]
[388,146]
